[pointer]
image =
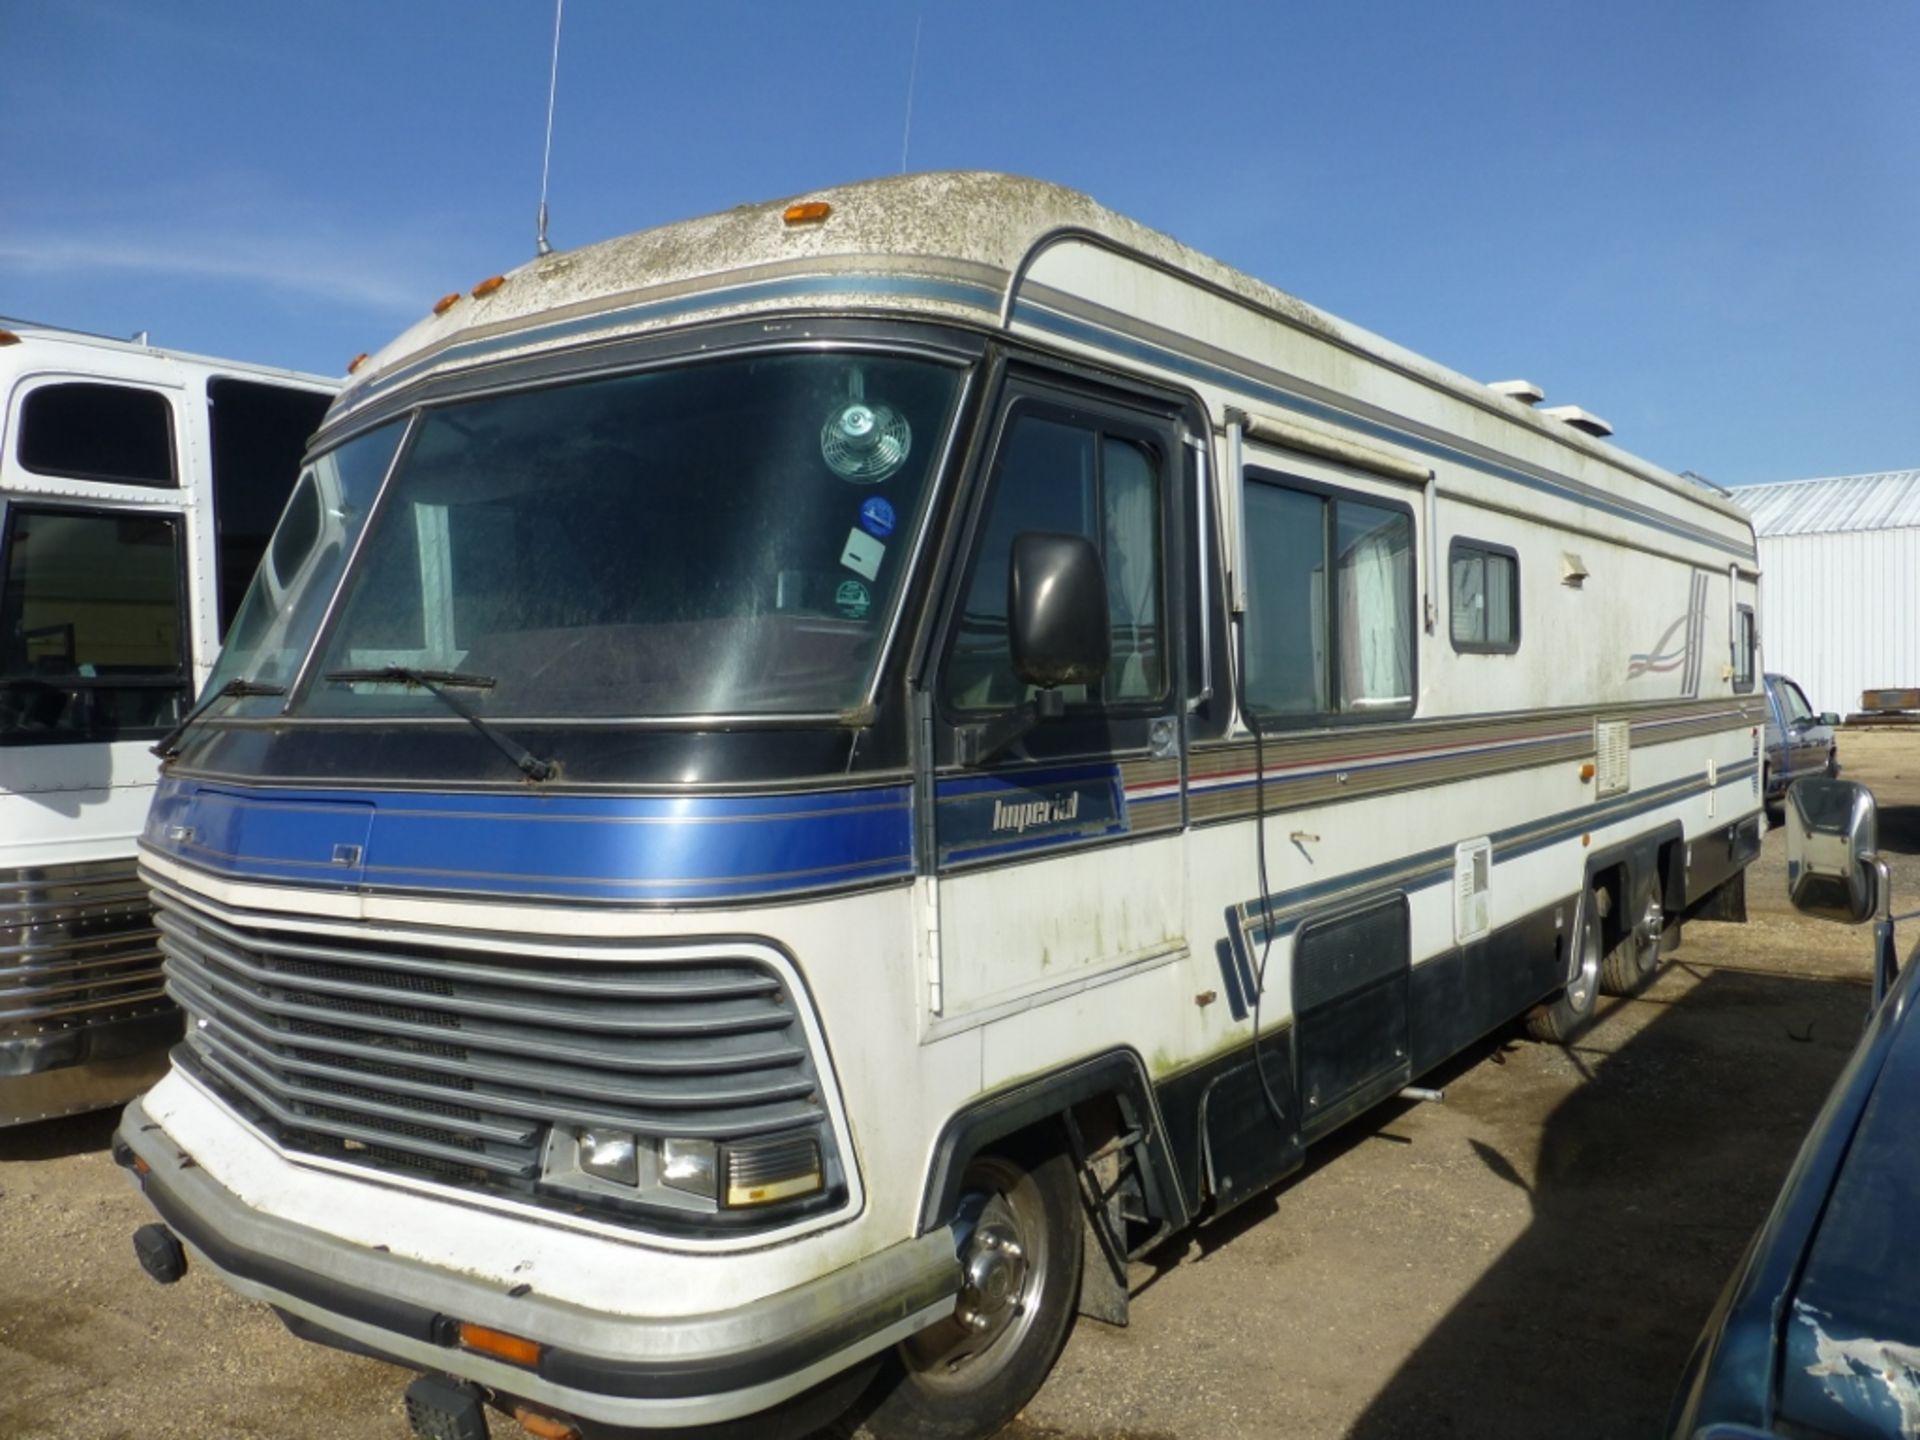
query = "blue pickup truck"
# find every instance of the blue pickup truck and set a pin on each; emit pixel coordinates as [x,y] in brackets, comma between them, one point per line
[1799,741]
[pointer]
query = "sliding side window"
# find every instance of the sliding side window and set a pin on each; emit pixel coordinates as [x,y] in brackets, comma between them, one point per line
[1073,476]
[1485,597]
[1330,602]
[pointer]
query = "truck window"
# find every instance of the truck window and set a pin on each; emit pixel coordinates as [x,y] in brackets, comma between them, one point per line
[1070,476]
[259,434]
[1743,648]
[83,430]
[1485,598]
[1798,709]
[90,632]
[1318,645]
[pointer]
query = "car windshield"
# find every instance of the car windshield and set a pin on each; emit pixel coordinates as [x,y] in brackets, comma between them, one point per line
[718,538]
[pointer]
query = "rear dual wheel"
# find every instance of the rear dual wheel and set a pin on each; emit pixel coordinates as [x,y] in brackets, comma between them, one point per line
[1558,1019]
[1635,956]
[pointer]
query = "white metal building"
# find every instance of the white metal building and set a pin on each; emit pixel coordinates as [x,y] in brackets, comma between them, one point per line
[1840,582]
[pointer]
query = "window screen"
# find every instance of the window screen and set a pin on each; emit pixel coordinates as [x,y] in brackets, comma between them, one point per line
[88,431]
[90,630]
[1065,476]
[1320,645]
[1485,597]
[1743,648]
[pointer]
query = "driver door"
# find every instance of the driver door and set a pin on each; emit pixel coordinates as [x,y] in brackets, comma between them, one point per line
[1058,857]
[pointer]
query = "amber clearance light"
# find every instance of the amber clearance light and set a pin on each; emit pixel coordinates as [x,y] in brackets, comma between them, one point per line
[808,212]
[514,1349]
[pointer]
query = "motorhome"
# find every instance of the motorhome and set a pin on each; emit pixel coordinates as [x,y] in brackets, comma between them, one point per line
[138,487]
[851,764]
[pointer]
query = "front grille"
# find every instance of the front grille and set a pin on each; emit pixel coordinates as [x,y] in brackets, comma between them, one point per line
[451,1062]
[77,947]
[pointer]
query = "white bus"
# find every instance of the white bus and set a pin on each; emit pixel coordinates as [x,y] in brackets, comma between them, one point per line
[138,487]
[855,763]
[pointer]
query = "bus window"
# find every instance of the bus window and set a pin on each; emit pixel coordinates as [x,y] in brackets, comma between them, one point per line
[259,434]
[87,431]
[90,630]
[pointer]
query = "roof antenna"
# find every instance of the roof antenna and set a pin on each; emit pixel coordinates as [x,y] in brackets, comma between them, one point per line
[906,132]
[540,245]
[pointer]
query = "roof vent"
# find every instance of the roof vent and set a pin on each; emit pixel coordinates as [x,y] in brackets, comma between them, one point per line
[1579,419]
[1525,391]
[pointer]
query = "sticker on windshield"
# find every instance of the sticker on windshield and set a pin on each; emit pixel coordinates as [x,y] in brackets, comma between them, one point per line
[876,517]
[853,599]
[863,554]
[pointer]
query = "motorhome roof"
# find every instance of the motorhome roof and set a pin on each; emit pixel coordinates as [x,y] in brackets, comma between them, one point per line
[948,243]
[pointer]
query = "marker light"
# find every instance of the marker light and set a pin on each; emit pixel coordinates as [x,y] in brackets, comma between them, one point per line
[547,1427]
[514,1349]
[446,302]
[7,337]
[487,286]
[763,1171]
[356,362]
[1587,771]
[808,212]
[610,1154]
[689,1165]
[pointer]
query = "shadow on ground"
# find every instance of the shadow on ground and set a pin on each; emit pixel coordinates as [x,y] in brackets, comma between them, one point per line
[1649,1180]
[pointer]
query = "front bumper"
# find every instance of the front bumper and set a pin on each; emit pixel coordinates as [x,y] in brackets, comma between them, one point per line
[616,1370]
[69,1072]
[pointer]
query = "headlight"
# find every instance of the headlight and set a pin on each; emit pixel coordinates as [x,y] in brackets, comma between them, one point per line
[684,1173]
[610,1154]
[689,1165]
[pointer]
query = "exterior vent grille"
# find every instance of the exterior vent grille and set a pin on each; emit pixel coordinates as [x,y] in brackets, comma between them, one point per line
[77,947]
[454,1063]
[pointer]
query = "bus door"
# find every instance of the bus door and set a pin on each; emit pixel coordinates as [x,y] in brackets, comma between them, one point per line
[1058,854]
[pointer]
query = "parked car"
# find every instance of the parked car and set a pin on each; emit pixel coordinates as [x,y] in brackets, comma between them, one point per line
[1818,1332]
[1799,742]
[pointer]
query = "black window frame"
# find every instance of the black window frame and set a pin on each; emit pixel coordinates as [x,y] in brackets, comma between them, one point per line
[1147,428]
[173,484]
[1272,721]
[29,505]
[1484,548]
[1746,648]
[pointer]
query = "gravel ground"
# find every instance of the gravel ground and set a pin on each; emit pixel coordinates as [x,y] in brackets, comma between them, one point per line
[1531,1257]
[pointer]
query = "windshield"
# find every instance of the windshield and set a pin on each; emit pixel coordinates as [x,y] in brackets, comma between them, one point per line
[284,605]
[722,538]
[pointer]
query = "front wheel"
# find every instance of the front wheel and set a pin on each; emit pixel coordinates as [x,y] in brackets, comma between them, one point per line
[1567,1012]
[1019,1235]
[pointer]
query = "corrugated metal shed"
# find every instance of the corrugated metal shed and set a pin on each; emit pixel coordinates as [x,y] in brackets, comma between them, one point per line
[1840,582]
[1887,501]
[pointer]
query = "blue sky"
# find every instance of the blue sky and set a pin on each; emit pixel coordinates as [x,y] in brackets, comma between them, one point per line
[1701,220]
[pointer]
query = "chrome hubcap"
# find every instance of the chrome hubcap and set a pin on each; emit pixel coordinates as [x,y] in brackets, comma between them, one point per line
[994,1265]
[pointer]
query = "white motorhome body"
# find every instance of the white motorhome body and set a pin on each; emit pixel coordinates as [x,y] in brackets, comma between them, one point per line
[771,793]
[137,488]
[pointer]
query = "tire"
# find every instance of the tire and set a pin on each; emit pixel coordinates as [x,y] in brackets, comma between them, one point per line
[1635,956]
[1559,1019]
[1833,764]
[966,1377]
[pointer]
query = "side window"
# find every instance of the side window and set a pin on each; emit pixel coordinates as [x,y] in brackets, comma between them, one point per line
[1071,476]
[1330,618]
[90,629]
[259,434]
[1797,707]
[1484,590]
[89,431]
[1743,647]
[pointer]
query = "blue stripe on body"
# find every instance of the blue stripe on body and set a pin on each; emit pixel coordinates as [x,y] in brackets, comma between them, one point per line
[618,849]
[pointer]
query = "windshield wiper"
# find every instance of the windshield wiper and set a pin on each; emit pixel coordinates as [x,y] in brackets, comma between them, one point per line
[168,745]
[436,682]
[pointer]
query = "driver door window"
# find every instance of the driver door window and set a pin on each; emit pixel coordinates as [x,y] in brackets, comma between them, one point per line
[1077,475]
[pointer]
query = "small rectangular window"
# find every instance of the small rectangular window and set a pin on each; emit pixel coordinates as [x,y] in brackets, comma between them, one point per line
[1743,648]
[1327,644]
[87,431]
[1484,593]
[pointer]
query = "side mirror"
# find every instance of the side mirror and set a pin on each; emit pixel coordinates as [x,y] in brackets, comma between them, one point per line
[1832,835]
[1057,610]
[1829,719]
